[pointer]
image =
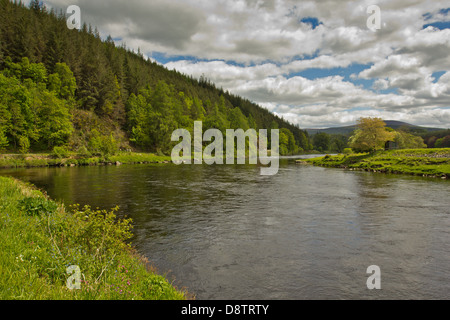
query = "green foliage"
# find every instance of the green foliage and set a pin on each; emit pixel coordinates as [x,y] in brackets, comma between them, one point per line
[51,73]
[23,70]
[3,140]
[422,162]
[443,142]
[33,206]
[322,142]
[371,135]
[54,125]
[407,140]
[236,119]
[60,152]
[63,82]
[348,151]
[288,145]
[431,137]
[40,240]
[100,234]
[339,143]
[84,152]
[102,145]
[24,144]
[31,115]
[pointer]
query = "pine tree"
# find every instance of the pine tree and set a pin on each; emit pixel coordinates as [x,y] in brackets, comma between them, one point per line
[35,6]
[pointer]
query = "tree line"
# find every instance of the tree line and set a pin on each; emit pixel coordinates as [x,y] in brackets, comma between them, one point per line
[372,134]
[437,139]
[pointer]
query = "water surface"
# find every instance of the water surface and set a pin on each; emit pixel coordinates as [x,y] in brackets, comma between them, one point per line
[225,232]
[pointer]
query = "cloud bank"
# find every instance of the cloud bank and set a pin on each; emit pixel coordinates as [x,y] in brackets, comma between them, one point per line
[315,63]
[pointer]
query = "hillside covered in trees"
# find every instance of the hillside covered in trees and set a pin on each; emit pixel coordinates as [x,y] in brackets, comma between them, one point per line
[70,88]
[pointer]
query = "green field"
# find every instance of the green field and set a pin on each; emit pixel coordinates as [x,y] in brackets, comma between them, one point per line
[420,162]
[41,239]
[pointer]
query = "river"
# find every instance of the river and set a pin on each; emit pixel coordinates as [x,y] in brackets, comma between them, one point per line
[226,232]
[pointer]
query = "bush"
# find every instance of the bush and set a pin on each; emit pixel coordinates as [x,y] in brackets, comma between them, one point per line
[348,151]
[101,235]
[60,152]
[160,153]
[24,144]
[103,145]
[84,152]
[37,206]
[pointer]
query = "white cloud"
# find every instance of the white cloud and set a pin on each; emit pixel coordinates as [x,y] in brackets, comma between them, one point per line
[268,45]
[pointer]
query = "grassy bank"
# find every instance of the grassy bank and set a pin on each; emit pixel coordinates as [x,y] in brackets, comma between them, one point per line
[420,162]
[50,160]
[40,239]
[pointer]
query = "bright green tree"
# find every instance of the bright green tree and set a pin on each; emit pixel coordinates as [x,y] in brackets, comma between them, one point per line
[287,142]
[63,82]
[102,145]
[443,142]
[237,120]
[53,119]
[407,140]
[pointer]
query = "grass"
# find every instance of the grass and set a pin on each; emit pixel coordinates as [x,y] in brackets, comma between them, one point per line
[423,162]
[40,239]
[73,159]
[133,158]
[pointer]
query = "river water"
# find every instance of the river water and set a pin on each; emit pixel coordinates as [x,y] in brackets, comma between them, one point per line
[226,232]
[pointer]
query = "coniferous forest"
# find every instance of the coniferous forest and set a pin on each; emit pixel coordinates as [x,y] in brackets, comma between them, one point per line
[73,89]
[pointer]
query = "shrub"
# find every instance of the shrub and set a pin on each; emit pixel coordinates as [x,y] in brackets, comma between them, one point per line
[60,152]
[37,206]
[84,152]
[101,235]
[348,151]
[103,145]
[24,144]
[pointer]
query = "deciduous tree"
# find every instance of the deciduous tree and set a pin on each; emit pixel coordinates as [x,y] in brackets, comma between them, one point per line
[370,135]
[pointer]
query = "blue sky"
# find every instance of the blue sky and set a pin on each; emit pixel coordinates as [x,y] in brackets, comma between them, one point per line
[315,63]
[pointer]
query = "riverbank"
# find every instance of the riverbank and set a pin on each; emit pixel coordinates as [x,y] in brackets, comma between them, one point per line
[73,160]
[42,160]
[418,162]
[41,239]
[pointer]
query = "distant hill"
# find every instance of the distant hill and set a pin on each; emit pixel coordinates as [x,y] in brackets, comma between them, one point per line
[390,123]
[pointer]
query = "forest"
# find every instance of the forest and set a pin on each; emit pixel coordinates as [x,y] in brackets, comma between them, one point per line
[403,137]
[71,89]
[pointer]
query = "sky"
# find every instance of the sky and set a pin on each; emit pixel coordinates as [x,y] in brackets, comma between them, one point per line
[314,63]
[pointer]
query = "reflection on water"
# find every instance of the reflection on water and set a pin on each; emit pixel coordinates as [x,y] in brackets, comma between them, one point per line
[225,232]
